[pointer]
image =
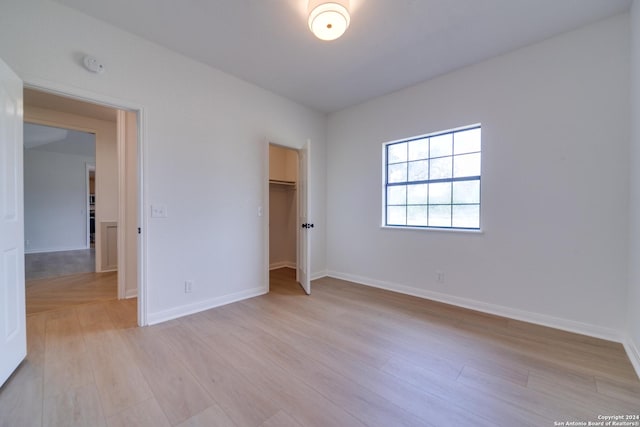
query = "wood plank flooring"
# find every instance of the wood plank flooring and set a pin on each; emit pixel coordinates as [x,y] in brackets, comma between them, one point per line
[347,355]
[62,292]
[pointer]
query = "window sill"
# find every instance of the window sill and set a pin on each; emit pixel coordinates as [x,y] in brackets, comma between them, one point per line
[445,230]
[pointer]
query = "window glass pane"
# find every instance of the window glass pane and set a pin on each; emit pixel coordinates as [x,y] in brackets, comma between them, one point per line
[417,215]
[440,216]
[440,168]
[466,192]
[419,171]
[466,216]
[441,145]
[434,181]
[396,215]
[397,195]
[466,165]
[467,141]
[419,149]
[440,193]
[397,173]
[397,153]
[417,194]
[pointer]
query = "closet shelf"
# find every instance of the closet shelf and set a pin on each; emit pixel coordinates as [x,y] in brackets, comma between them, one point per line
[291,184]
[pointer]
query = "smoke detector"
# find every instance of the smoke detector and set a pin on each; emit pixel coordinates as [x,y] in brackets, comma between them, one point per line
[92,64]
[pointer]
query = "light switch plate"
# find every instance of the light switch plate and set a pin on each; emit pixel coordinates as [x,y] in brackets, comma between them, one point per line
[158,211]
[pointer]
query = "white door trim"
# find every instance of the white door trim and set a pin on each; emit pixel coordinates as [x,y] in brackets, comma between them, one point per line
[89,168]
[265,214]
[122,197]
[122,104]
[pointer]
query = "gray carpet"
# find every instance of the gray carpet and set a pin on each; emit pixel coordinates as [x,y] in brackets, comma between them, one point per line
[53,264]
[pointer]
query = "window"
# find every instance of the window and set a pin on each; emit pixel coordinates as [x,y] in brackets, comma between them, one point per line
[433,181]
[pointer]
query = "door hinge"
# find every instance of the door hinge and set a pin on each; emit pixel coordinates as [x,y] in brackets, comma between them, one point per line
[139,230]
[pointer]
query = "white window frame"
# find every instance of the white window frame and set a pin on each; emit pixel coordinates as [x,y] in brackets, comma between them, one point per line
[385,184]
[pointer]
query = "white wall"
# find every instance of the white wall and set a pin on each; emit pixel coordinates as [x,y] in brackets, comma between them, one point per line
[634,232]
[283,220]
[555,128]
[204,134]
[55,201]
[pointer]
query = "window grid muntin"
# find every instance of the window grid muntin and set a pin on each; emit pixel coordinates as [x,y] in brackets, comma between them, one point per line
[451,180]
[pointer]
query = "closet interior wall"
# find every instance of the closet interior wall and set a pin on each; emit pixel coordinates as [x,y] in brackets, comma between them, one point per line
[283,207]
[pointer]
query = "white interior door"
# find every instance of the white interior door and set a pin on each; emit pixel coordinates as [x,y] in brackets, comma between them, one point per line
[13,331]
[304,226]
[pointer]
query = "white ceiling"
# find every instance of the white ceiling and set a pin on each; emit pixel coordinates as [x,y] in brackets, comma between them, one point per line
[391,44]
[57,140]
[37,135]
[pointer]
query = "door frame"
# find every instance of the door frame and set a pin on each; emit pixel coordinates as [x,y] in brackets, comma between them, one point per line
[120,104]
[90,167]
[264,210]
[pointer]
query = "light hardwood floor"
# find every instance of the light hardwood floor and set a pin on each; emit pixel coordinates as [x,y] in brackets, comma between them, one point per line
[62,292]
[347,355]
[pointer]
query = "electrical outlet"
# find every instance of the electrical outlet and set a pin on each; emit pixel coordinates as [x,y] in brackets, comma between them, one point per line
[188,287]
[439,276]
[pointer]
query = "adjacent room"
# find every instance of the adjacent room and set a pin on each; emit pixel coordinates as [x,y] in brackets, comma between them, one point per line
[320,213]
[59,199]
[59,164]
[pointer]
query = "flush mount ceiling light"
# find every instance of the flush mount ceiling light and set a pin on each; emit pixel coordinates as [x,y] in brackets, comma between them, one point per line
[328,20]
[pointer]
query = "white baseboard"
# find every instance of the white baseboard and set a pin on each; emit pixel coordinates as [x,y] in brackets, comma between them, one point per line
[41,251]
[498,310]
[633,353]
[131,293]
[185,310]
[282,264]
[318,275]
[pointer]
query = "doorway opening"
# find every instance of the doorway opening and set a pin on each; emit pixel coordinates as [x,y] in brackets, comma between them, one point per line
[56,213]
[109,200]
[288,244]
